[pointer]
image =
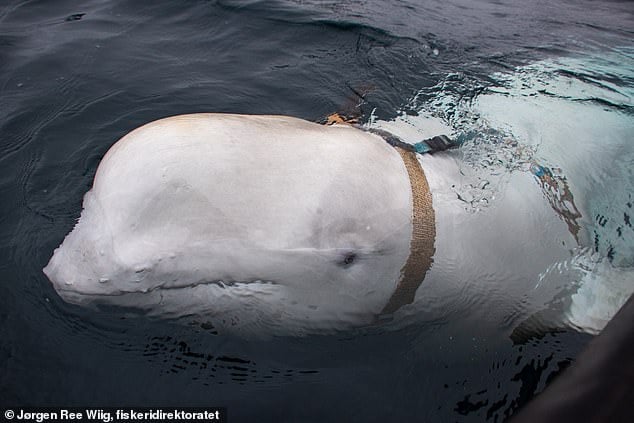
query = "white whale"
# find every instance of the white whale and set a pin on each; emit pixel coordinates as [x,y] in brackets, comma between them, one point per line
[277,225]
[260,220]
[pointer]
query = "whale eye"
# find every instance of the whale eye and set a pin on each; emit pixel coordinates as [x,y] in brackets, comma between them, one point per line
[348,259]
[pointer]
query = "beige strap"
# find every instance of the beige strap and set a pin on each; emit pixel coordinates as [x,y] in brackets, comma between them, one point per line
[423,236]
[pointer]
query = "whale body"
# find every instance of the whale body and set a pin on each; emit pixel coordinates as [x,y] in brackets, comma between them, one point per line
[272,224]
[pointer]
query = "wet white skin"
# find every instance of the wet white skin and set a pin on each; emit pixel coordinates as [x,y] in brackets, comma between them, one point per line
[266,225]
[268,222]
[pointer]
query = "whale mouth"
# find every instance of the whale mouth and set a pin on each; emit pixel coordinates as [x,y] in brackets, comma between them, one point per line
[69,294]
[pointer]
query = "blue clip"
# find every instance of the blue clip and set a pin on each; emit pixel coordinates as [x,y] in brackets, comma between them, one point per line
[422,147]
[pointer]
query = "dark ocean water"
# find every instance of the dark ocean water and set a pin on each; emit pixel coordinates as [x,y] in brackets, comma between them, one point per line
[74,78]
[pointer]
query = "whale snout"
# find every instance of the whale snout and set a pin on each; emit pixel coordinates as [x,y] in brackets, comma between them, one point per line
[72,276]
[80,267]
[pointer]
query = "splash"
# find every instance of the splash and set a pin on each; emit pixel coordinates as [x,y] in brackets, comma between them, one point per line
[568,121]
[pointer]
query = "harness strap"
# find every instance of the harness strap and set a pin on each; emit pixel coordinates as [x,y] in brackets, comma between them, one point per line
[423,235]
[429,145]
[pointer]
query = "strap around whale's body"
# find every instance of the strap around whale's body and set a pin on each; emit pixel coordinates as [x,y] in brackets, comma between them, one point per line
[423,235]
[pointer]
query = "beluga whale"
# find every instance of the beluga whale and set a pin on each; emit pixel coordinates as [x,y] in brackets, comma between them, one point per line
[261,220]
[260,224]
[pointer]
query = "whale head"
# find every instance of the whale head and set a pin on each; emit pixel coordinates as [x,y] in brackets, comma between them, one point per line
[204,228]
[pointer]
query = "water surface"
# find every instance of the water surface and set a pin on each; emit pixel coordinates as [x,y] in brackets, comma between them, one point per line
[554,76]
